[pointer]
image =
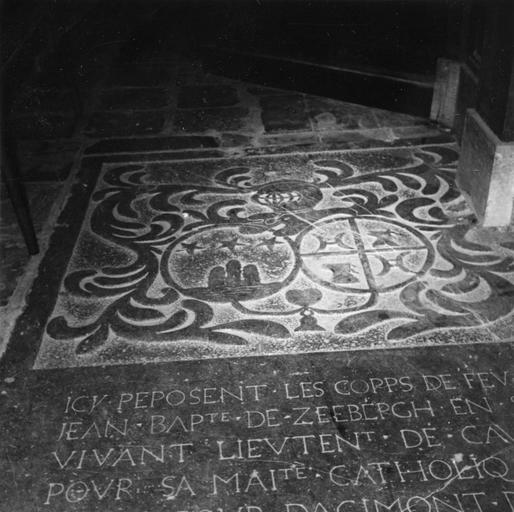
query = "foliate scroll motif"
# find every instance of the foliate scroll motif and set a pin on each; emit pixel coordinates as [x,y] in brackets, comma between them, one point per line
[274,255]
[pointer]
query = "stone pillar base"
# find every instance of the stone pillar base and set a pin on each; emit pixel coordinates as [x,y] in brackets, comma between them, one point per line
[486,172]
[446,92]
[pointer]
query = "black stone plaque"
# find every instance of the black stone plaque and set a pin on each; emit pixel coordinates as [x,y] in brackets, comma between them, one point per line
[418,430]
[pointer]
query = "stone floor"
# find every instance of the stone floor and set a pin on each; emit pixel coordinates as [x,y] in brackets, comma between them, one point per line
[170,101]
[252,300]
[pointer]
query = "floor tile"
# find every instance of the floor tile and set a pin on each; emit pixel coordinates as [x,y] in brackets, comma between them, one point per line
[48,166]
[391,119]
[134,145]
[328,114]
[45,100]
[207,96]
[220,119]
[140,76]
[283,113]
[112,124]
[13,251]
[134,98]
[41,198]
[43,125]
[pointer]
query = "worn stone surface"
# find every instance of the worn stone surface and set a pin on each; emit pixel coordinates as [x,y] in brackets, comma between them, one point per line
[285,112]
[383,138]
[219,119]
[174,143]
[330,114]
[41,197]
[386,118]
[13,261]
[133,98]
[202,96]
[13,252]
[141,76]
[235,140]
[43,125]
[286,140]
[50,99]
[105,124]
[303,112]
[238,129]
[52,164]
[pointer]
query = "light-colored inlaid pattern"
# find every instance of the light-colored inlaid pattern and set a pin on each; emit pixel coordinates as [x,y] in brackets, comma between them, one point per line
[279,254]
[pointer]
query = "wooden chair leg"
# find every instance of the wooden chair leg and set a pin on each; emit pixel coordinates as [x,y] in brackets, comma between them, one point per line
[18,197]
